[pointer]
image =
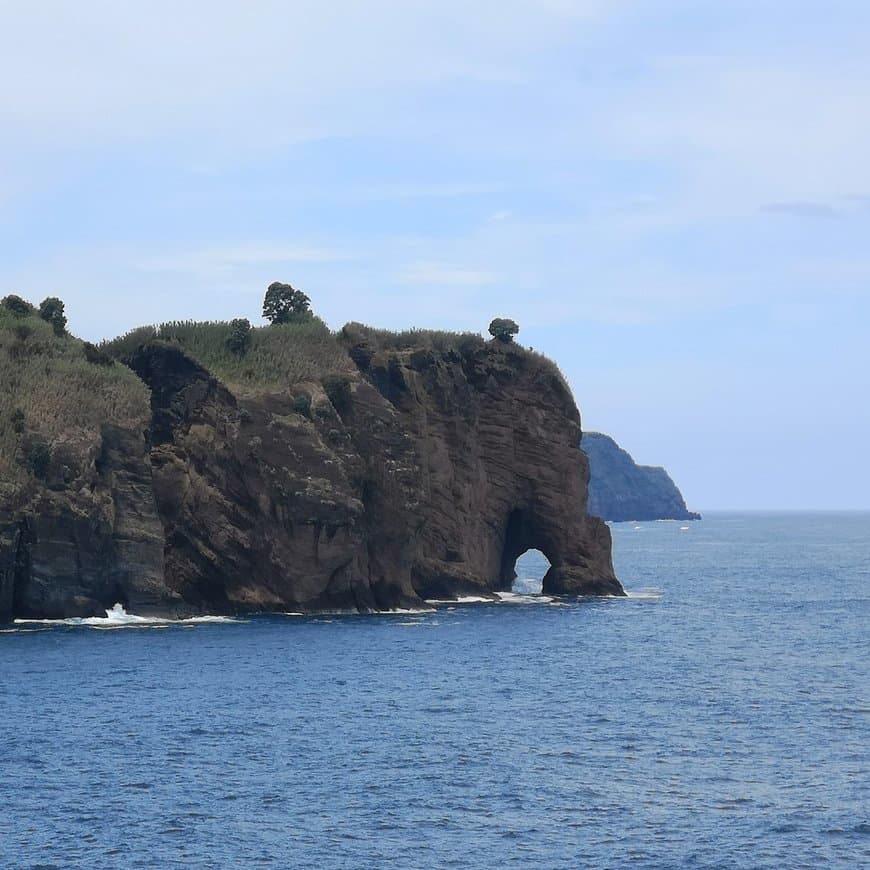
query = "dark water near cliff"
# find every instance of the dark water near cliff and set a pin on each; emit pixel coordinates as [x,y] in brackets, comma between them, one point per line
[722,723]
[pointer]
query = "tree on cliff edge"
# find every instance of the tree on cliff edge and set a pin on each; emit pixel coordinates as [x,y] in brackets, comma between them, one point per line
[285,304]
[503,329]
[51,310]
[18,306]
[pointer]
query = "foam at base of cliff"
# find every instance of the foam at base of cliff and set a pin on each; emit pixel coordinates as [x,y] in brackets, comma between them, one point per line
[620,490]
[117,617]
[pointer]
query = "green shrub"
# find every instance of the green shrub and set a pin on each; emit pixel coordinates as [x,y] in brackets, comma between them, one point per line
[95,356]
[18,306]
[22,331]
[39,459]
[239,339]
[409,339]
[124,346]
[50,390]
[337,389]
[51,310]
[278,356]
[302,405]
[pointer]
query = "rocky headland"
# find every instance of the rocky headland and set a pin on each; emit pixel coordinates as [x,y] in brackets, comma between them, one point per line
[621,490]
[178,473]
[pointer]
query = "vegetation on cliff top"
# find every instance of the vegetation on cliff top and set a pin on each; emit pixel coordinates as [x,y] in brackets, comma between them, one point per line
[50,392]
[273,356]
[56,387]
[296,347]
[411,339]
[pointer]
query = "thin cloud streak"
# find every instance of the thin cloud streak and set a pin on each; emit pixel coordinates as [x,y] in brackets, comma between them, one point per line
[216,259]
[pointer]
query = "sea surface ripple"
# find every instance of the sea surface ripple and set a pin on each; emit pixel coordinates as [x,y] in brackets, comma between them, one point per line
[718,717]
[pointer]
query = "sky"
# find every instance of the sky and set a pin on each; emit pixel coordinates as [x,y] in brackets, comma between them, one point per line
[671,197]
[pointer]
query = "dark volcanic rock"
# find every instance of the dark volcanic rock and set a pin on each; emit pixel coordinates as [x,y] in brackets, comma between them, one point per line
[437,473]
[76,548]
[411,474]
[621,490]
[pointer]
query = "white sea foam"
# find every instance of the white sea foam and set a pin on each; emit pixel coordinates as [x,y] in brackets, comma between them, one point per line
[117,617]
[521,598]
[465,599]
[409,611]
[528,585]
[651,594]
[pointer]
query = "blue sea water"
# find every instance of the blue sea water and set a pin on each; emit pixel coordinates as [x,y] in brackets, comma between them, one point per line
[718,718]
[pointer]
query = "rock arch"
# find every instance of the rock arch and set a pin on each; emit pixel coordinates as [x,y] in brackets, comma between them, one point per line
[576,549]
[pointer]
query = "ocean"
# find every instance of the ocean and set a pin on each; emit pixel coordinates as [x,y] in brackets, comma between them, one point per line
[718,717]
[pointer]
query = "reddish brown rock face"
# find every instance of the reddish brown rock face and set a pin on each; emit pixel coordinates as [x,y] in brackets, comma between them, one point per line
[438,473]
[496,435]
[425,476]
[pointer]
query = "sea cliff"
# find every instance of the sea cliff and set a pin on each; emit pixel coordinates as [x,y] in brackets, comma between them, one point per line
[361,470]
[621,490]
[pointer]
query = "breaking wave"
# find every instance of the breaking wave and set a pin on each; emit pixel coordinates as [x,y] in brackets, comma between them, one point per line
[465,599]
[524,598]
[651,594]
[117,617]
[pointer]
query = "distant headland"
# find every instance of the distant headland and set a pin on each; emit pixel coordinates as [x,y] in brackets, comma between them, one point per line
[621,490]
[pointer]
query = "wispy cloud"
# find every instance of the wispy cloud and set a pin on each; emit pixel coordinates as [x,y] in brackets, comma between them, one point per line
[437,190]
[803,209]
[438,273]
[221,259]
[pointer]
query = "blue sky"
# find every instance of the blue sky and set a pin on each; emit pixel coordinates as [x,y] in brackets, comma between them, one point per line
[672,198]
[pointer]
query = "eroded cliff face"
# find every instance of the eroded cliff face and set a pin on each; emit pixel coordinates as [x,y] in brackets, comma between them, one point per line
[494,433]
[87,535]
[433,475]
[425,476]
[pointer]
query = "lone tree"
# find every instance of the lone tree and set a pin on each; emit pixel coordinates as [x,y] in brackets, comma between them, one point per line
[51,311]
[503,329]
[18,306]
[284,304]
[239,339]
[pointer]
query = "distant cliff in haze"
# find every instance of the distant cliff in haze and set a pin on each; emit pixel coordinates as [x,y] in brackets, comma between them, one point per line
[620,489]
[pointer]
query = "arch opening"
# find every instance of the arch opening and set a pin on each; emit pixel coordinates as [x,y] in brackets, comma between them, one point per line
[525,560]
[531,567]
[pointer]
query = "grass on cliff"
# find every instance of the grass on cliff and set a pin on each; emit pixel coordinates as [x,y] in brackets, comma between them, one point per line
[412,339]
[442,341]
[279,355]
[49,391]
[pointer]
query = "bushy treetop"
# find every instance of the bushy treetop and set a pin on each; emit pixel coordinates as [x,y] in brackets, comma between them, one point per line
[285,304]
[503,329]
[239,339]
[18,306]
[51,310]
